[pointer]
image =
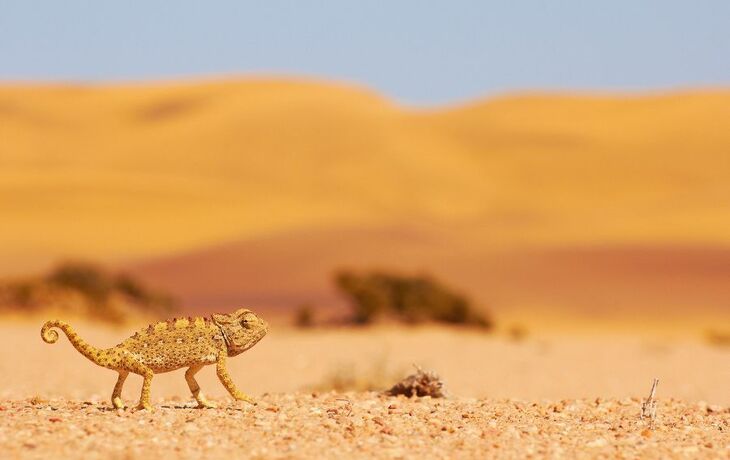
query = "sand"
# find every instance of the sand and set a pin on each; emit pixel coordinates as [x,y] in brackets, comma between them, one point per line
[473,364]
[569,396]
[364,425]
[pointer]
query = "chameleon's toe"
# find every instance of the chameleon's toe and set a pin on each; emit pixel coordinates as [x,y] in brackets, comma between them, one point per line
[248,399]
[203,403]
[118,403]
[144,406]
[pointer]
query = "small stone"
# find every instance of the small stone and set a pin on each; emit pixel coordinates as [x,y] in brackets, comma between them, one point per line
[599,442]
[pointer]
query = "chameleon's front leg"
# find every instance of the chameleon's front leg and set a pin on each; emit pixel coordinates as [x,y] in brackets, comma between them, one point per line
[144,398]
[117,393]
[195,387]
[222,372]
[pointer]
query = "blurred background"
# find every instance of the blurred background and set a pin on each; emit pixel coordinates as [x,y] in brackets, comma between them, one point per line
[520,168]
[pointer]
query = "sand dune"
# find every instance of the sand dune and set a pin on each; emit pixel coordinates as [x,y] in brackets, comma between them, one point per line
[146,172]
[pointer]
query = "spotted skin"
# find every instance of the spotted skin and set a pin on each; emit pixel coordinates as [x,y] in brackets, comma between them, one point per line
[170,345]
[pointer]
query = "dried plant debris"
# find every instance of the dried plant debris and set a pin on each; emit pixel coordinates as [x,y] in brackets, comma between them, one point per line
[648,407]
[422,383]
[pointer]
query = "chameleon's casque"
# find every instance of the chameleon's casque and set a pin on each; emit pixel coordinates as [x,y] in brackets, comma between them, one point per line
[170,345]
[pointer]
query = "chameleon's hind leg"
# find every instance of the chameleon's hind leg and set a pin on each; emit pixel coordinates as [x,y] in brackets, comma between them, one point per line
[147,374]
[227,382]
[195,388]
[117,393]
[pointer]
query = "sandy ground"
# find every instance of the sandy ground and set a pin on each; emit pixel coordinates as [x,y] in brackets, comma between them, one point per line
[355,425]
[509,398]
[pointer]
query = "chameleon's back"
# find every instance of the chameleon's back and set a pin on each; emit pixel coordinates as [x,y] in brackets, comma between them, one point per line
[171,345]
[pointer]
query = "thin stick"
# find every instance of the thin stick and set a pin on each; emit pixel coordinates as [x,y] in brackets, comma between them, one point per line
[648,407]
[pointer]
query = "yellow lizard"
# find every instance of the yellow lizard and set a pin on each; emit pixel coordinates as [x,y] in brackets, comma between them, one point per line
[170,345]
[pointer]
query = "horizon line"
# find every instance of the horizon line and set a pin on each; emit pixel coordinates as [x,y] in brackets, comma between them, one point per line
[318,80]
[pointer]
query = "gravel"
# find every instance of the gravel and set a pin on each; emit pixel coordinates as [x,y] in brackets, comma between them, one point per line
[362,425]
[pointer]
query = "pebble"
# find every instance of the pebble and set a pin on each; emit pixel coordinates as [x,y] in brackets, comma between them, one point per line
[333,425]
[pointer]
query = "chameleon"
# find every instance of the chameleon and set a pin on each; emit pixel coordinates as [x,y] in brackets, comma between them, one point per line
[173,344]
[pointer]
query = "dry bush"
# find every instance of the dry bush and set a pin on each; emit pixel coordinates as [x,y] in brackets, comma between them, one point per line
[410,299]
[86,290]
[140,294]
[422,383]
[85,278]
[517,332]
[304,317]
[718,338]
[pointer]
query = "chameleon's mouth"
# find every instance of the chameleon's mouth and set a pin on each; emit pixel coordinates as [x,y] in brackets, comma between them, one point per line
[262,333]
[259,335]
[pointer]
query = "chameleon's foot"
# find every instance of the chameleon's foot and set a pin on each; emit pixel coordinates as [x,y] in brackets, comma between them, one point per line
[245,397]
[203,403]
[118,403]
[144,406]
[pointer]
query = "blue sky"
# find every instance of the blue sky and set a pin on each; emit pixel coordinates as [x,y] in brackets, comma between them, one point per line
[416,52]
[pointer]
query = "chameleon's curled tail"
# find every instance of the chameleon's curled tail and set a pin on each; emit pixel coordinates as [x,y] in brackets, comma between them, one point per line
[49,335]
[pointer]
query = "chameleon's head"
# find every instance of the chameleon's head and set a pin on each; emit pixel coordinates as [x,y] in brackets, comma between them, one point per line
[242,329]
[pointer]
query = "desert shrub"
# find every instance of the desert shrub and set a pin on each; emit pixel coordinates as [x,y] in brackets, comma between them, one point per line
[304,316]
[85,289]
[131,287]
[369,295]
[86,278]
[517,332]
[22,293]
[134,290]
[412,299]
[718,338]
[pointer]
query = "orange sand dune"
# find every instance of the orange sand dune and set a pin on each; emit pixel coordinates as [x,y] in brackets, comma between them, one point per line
[134,172]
